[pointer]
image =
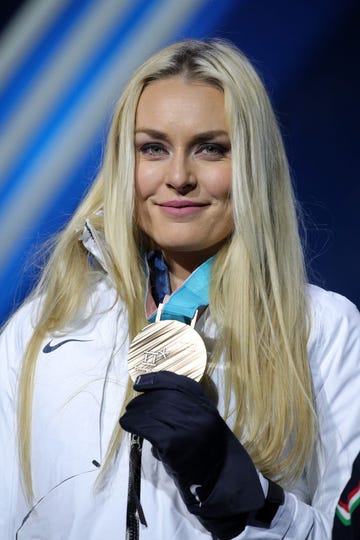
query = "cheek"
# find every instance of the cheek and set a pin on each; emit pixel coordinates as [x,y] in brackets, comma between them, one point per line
[146,180]
[226,204]
[219,184]
[140,197]
[140,185]
[144,189]
[227,216]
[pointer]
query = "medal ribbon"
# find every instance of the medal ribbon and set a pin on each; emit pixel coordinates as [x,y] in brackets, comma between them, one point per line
[191,296]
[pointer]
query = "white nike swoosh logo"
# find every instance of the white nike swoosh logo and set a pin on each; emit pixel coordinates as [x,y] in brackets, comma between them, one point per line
[193,489]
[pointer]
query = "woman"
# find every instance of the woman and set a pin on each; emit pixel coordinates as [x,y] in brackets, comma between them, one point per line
[192,209]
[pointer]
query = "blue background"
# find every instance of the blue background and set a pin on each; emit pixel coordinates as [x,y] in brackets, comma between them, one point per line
[308,56]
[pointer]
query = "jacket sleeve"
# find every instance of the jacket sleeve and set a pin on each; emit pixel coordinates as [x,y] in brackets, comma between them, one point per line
[11,498]
[334,355]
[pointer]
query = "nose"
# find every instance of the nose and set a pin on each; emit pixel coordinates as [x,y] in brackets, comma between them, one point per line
[180,175]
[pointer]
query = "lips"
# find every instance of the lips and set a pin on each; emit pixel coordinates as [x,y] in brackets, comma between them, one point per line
[182,208]
[181,204]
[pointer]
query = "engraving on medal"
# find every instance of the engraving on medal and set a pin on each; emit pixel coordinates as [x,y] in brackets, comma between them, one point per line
[167,345]
[152,358]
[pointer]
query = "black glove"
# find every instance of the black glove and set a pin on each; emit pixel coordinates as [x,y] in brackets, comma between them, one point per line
[216,477]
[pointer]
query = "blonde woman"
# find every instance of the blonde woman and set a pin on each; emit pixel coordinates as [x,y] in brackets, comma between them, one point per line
[193,209]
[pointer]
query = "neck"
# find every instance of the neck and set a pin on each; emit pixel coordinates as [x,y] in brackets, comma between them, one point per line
[177,274]
[181,266]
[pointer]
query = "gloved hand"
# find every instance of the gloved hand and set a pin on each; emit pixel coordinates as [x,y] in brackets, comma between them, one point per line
[216,477]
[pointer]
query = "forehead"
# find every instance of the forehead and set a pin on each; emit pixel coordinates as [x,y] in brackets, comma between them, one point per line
[177,101]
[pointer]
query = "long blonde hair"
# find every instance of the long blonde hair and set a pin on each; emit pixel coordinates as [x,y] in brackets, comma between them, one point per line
[257,289]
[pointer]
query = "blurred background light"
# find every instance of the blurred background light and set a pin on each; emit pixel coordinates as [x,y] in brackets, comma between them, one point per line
[63,64]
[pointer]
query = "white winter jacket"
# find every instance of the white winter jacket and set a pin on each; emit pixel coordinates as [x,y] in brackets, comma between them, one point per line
[79,385]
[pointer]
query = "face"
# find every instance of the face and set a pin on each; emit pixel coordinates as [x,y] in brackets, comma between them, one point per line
[183,167]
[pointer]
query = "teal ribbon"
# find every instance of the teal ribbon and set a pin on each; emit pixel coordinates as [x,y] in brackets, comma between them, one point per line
[191,296]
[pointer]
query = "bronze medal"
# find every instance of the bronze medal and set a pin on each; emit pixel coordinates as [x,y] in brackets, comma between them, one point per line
[168,346]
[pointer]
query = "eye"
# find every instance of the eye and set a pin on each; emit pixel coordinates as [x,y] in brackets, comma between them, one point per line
[152,150]
[213,150]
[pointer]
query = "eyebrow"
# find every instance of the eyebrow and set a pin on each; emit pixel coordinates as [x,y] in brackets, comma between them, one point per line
[200,137]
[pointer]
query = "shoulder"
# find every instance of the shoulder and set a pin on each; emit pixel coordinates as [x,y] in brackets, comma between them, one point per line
[330,302]
[334,341]
[332,315]
[17,332]
[19,328]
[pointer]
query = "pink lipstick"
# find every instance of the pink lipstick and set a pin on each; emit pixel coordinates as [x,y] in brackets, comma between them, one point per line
[179,208]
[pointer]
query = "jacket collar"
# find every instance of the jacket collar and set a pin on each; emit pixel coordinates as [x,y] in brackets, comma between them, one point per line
[180,305]
[95,244]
